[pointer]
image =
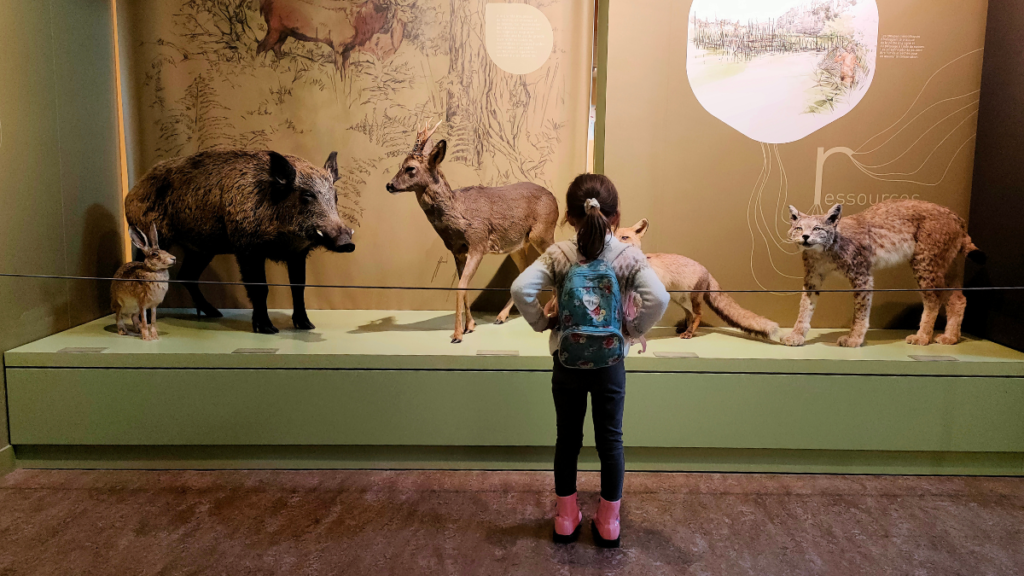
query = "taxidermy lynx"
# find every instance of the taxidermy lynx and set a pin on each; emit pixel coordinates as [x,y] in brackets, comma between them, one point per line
[679,273]
[928,236]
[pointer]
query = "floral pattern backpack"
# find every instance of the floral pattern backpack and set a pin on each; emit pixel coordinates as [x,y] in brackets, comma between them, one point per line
[590,316]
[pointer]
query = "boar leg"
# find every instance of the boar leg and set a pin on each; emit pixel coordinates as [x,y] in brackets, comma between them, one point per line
[254,271]
[297,275]
[192,268]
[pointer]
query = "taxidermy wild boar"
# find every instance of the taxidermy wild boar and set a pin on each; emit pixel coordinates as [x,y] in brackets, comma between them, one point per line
[257,205]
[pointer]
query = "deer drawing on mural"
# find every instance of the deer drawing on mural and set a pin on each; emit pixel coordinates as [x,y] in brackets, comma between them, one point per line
[477,220]
[360,25]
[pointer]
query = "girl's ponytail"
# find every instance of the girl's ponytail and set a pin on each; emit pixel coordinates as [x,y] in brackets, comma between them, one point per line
[592,202]
[595,227]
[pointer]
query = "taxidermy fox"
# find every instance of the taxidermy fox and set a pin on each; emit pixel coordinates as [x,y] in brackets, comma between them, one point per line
[679,273]
[928,236]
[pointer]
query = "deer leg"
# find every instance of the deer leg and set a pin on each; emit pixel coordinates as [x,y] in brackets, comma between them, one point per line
[271,41]
[521,259]
[472,263]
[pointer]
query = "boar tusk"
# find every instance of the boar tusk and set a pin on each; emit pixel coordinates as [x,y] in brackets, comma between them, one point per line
[320,232]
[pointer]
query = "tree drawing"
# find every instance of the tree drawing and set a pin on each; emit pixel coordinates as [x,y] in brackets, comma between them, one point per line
[196,122]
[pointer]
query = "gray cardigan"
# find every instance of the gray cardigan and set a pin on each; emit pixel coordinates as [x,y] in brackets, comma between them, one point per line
[631,269]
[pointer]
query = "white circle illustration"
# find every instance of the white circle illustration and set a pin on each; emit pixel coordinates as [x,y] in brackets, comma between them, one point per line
[779,70]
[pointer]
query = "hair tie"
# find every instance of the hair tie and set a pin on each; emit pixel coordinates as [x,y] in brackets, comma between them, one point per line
[591,203]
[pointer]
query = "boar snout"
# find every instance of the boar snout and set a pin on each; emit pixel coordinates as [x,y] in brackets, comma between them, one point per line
[337,239]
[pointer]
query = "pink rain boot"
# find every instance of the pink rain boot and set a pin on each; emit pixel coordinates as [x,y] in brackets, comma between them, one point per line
[568,520]
[605,525]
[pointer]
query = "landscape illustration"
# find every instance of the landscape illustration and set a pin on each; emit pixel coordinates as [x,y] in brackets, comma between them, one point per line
[779,70]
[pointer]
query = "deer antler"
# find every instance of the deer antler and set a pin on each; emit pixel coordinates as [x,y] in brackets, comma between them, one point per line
[423,136]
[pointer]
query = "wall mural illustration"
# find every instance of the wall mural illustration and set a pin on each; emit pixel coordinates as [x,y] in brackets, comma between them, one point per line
[779,70]
[307,77]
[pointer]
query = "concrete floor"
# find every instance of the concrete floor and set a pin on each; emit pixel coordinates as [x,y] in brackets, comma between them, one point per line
[366,522]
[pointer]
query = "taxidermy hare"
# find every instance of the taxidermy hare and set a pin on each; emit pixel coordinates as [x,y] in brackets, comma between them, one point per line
[133,297]
[927,236]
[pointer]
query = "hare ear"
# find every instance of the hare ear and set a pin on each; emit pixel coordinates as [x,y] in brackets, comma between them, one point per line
[153,236]
[138,238]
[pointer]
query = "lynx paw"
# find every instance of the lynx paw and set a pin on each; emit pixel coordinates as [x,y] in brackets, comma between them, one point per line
[850,342]
[122,331]
[793,339]
[917,340]
[946,340]
[686,335]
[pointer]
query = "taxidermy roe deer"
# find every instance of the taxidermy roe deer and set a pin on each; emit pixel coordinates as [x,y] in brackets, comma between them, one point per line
[928,236]
[477,220]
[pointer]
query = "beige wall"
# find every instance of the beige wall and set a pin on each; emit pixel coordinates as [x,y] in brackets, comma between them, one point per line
[500,128]
[59,166]
[694,176]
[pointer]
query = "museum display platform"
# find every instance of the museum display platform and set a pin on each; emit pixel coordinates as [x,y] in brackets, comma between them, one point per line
[386,389]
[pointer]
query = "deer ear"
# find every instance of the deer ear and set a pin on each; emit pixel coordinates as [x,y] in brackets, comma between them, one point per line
[641,227]
[332,166]
[437,154]
[833,214]
[794,214]
[138,238]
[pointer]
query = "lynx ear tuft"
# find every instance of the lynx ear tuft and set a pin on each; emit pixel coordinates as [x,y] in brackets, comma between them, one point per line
[794,214]
[833,214]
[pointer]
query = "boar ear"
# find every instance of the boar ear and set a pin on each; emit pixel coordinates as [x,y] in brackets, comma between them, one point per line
[332,166]
[833,214]
[794,214]
[642,227]
[281,170]
[437,154]
[138,238]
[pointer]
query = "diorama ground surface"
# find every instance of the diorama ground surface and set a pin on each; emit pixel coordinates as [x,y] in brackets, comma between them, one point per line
[427,522]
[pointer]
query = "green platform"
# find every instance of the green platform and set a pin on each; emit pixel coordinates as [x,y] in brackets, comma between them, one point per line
[387,389]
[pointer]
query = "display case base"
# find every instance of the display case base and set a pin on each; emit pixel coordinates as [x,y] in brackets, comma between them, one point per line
[384,389]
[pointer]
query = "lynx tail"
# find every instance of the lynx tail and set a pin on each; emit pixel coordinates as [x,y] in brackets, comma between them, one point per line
[738,316]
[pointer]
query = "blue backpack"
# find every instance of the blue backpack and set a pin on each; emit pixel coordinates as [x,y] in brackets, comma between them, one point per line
[590,317]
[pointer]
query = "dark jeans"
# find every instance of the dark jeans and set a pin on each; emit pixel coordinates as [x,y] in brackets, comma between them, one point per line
[607,387]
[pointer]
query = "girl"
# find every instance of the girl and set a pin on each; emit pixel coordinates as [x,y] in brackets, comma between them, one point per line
[592,208]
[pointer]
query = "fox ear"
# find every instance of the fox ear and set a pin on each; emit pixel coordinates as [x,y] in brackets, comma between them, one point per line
[833,214]
[641,228]
[794,214]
